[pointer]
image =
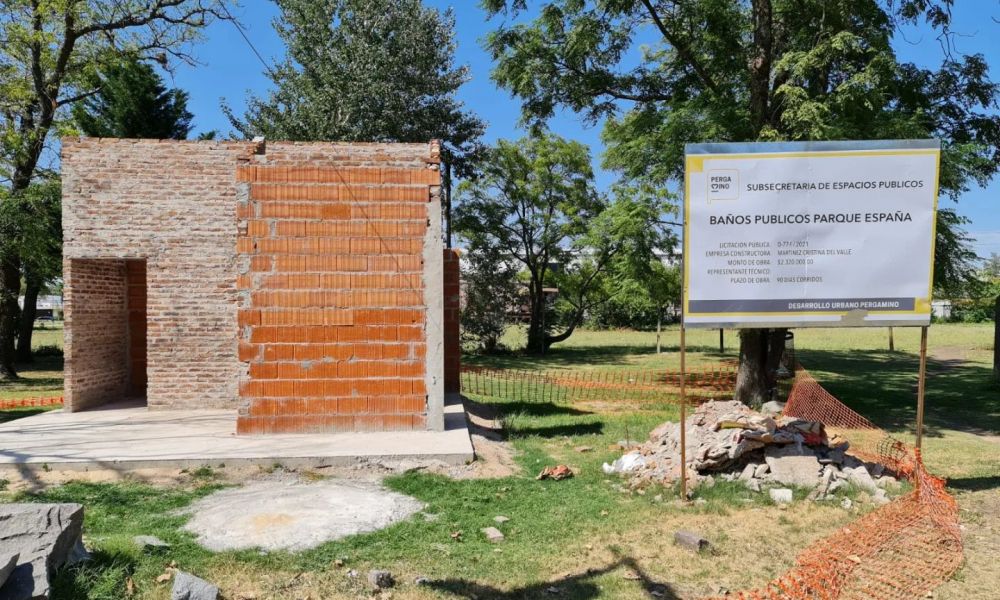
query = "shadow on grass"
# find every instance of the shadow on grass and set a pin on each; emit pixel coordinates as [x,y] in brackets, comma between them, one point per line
[43,375]
[104,575]
[534,409]
[20,413]
[882,387]
[975,484]
[576,587]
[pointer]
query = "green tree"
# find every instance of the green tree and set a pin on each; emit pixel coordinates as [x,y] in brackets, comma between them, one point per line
[366,70]
[991,267]
[535,203]
[716,70]
[51,53]
[664,290]
[41,252]
[30,227]
[491,293]
[133,102]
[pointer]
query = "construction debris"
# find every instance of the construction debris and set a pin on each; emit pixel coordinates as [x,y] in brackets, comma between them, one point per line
[691,541]
[736,443]
[557,472]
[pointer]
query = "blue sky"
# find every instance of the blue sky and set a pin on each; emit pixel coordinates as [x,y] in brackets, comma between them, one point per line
[230,70]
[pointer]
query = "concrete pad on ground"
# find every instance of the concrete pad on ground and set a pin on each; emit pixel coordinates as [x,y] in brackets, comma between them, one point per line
[127,436]
[294,515]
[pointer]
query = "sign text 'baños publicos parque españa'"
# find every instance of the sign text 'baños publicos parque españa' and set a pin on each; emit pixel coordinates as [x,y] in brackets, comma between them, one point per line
[809,234]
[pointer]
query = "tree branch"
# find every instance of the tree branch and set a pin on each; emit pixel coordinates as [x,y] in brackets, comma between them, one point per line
[682,49]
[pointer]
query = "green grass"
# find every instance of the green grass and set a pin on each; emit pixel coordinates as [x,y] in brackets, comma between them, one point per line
[582,534]
[114,513]
[43,377]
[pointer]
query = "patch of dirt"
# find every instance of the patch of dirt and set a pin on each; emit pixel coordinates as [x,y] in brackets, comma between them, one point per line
[945,357]
[978,578]
[494,455]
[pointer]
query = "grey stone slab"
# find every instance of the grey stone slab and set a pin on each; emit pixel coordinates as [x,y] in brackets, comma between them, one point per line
[188,587]
[46,537]
[792,465]
[690,540]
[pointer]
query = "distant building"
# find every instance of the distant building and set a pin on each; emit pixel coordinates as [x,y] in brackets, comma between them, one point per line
[941,309]
[48,307]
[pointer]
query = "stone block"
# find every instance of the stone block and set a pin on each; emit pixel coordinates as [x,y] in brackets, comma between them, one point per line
[46,537]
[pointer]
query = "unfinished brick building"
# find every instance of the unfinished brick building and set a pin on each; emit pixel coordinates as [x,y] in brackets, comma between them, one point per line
[300,284]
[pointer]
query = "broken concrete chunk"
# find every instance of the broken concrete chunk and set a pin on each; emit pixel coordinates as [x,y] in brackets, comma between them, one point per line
[188,587]
[46,537]
[780,495]
[772,408]
[501,519]
[493,534]
[691,541]
[792,465]
[860,477]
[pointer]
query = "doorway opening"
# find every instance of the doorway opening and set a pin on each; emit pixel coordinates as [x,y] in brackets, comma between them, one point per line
[135,303]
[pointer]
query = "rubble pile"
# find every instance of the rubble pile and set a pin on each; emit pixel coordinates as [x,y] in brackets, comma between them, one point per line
[729,440]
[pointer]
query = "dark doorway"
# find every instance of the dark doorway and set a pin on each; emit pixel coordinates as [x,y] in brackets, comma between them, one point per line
[135,282]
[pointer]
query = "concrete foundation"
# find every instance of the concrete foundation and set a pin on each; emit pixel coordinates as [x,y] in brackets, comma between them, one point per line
[123,437]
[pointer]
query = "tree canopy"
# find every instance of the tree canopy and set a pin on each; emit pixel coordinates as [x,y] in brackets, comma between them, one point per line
[754,70]
[52,52]
[535,203]
[133,102]
[366,70]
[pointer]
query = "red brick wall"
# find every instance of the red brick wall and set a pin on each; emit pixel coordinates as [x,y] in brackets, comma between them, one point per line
[452,302]
[297,282]
[95,348]
[173,204]
[332,321]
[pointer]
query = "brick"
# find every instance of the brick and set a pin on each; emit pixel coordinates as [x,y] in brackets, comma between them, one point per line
[286,279]
[340,193]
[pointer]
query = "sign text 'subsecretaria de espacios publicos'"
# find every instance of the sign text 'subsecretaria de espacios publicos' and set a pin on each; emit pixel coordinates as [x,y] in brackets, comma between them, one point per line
[809,234]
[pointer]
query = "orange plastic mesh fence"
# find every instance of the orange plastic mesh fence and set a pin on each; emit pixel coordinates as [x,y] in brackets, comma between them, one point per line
[28,402]
[703,383]
[901,550]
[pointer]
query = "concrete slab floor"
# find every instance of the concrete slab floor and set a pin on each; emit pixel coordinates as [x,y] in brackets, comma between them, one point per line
[126,436]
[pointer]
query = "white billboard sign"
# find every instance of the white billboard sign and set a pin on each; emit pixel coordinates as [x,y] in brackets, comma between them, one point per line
[809,234]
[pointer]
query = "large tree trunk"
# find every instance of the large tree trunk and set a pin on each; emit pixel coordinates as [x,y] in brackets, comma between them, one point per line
[536,319]
[555,339]
[10,287]
[760,355]
[28,313]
